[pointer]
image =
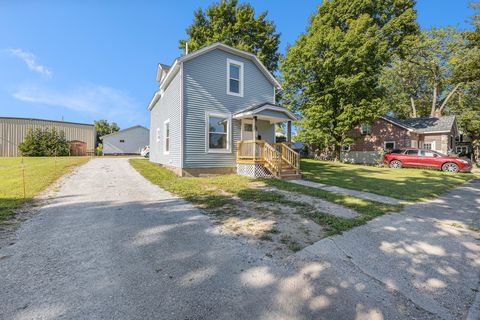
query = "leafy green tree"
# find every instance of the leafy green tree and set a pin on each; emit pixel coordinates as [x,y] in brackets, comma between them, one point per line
[437,66]
[235,25]
[331,73]
[103,127]
[46,142]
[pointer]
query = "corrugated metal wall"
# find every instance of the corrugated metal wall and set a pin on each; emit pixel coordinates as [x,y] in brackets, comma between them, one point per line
[14,130]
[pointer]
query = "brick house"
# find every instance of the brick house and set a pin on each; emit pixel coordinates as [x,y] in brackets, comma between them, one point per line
[387,133]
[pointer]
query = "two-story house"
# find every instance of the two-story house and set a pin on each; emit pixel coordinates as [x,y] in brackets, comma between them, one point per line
[215,113]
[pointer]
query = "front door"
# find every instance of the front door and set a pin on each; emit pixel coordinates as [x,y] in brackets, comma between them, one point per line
[247,129]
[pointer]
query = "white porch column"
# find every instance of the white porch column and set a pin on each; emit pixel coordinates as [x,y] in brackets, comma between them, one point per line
[254,124]
[289,131]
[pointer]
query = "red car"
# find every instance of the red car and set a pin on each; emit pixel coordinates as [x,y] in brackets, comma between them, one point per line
[422,158]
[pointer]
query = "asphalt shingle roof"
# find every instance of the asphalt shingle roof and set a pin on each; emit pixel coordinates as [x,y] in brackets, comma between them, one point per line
[425,124]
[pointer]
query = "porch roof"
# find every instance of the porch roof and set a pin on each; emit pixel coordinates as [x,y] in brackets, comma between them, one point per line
[266,111]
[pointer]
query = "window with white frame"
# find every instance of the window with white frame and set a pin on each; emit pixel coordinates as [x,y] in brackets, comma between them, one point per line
[166,136]
[218,133]
[234,78]
[389,145]
[366,128]
[429,145]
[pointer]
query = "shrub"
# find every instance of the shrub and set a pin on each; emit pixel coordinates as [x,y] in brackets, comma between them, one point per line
[99,150]
[46,142]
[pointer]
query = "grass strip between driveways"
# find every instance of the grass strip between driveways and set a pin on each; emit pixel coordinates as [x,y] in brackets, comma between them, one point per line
[404,184]
[210,193]
[39,172]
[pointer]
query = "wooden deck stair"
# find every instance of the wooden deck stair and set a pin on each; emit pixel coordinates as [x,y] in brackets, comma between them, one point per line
[278,158]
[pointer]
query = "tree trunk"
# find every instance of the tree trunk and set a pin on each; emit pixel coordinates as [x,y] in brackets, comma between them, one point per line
[434,101]
[337,153]
[447,98]
[414,108]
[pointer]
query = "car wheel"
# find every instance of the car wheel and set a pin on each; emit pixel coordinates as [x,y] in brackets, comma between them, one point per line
[450,167]
[396,164]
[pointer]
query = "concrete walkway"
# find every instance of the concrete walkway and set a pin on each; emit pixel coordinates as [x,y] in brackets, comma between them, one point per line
[429,253]
[110,245]
[355,193]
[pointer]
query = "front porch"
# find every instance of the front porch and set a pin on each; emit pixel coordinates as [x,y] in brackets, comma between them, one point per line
[258,154]
[258,158]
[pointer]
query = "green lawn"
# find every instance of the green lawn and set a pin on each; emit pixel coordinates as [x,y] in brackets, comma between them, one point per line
[39,173]
[406,184]
[212,193]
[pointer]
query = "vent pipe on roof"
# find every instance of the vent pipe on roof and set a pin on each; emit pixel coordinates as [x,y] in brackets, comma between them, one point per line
[186,48]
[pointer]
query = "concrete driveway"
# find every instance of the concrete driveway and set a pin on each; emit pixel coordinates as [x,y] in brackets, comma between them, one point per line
[110,245]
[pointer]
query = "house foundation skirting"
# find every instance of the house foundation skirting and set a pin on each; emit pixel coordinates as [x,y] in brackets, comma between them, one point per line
[253,170]
[205,172]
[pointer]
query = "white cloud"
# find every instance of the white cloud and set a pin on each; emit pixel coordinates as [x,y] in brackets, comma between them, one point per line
[31,61]
[99,101]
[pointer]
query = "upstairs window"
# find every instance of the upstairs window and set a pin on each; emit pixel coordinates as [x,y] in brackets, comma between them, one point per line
[122,141]
[234,78]
[366,128]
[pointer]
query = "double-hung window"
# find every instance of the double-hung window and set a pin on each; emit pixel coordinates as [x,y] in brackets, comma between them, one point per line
[166,137]
[218,133]
[366,128]
[234,78]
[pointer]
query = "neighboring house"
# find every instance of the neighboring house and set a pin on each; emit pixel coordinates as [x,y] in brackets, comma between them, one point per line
[387,133]
[81,136]
[126,141]
[215,113]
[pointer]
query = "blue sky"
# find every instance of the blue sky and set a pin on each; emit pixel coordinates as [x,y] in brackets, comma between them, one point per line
[88,60]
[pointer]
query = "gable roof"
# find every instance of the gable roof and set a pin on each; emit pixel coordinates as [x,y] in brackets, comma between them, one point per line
[252,110]
[224,47]
[120,131]
[424,124]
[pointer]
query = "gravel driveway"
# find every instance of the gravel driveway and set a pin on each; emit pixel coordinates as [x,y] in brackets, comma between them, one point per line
[110,245]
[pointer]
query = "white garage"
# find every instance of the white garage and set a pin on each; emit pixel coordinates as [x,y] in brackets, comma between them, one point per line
[126,141]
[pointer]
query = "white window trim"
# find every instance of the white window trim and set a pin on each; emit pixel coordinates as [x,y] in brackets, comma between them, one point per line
[385,144]
[165,136]
[207,132]
[430,142]
[240,85]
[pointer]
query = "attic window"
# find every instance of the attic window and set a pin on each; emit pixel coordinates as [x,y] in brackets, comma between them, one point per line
[122,141]
[234,78]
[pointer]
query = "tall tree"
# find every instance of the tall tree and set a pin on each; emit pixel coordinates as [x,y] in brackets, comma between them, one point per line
[435,68]
[331,73]
[235,25]
[425,81]
[103,127]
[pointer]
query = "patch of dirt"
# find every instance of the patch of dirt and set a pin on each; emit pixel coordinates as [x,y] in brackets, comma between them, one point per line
[280,229]
[319,204]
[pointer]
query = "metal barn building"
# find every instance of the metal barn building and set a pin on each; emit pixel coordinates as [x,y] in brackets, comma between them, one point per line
[13,131]
[126,141]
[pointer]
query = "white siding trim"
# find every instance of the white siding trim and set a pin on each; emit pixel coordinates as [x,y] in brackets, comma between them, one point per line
[182,138]
[241,79]
[207,131]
